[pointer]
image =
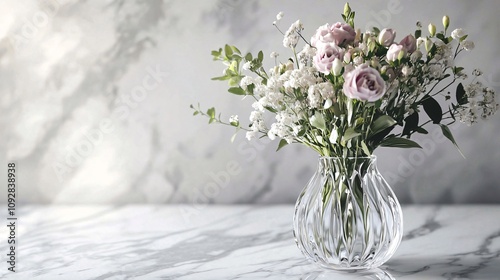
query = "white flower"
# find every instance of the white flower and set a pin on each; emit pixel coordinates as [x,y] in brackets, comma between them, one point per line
[246,65]
[457,33]
[256,116]
[245,82]
[488,95]
[291,36]
[274,55]
[406,70]
[436,71]
[477,72]
[279,16]
[337,67]
[233,119]
[271,135]
[291,40]
[358,60]
[467,45]
[251,134]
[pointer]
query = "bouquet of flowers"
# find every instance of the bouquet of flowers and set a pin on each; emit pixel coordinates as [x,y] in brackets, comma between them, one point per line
[346,92]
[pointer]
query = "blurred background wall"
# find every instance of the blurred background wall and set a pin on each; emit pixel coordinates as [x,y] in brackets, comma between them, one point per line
[95,102]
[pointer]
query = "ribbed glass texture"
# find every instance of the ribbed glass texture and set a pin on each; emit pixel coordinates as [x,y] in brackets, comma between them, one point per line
[347,217]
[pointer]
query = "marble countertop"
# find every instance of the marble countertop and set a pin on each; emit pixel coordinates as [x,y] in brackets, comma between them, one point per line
[235,242]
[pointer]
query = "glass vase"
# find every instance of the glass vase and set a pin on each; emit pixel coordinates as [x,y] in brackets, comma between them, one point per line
[347,217]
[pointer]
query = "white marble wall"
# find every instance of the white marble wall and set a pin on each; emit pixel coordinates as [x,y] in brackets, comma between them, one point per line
[95,102]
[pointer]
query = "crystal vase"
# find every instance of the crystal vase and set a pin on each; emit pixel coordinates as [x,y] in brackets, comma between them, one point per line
[347,217]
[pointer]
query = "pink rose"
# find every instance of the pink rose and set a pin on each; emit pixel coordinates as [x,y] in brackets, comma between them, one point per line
[325,56]
[364,83]
[343,33]
[339,33]
[394,52]
[323,35]
[409,43]
[386,37]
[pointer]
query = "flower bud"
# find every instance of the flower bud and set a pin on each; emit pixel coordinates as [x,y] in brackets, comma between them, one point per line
[347,57]
[428,44]
[337,67]
[432,29]
[386,37]
[410,43]
[401,54]
[446,22]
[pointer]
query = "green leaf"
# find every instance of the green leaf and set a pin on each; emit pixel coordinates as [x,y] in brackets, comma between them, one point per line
[447,133]
[235,49]
[461,96]
[442,38]
[318,121]
[282,144]
[398,142]
[248,57]
[365,148]
[216,53]
[270,109]
[421,130]
[260,56]
[411,124]
[234,81]
[433,109]
[228,50]
[237,90]
[457,70]
[381,123]
[221,78]
[418,33]
[211,113]
[195,113]
[349,134]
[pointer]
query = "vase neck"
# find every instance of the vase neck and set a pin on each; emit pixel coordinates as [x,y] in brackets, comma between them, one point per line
[347,165]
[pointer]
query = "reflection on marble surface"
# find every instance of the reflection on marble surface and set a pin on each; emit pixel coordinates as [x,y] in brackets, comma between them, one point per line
[95,102]
[185,242]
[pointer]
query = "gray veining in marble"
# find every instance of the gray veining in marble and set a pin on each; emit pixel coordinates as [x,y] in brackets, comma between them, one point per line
[186,242]
[95,96]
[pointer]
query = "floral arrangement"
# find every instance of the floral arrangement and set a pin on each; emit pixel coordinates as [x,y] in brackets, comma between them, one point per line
[346,92]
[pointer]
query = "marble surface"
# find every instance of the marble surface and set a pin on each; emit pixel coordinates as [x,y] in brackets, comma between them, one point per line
[236,242]
[95,101]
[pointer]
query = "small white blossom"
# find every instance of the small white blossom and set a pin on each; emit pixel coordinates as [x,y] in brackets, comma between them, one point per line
[291,37]
[436,71]
[467,45]
[406,71]
[274,55]
[247,65]
[233,119]
[358,60]
[251,134]
[477,72]
[245,82]
[256,116]
[457,33]
[279,16]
